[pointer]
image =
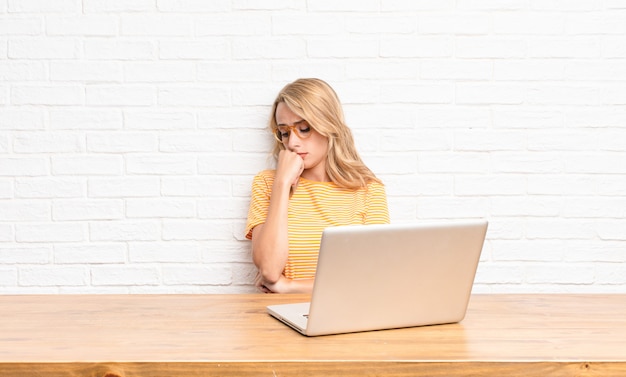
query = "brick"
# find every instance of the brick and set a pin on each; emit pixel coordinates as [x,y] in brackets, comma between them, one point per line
[105,253]
[86,165]
[53,276]
[99,6]
[170,252]
[450,23]
[163,164]
[151,72]
[219,208]
[86,71]
[196,186]
[415,5]
[160,208]
[257,48]
[504,94]
[193,96]
[26,26]
[490,185]
[456,70]
[188,230]
[23,167]
[197,275]
[42,6]
[208,141]
[92,119]
[43,48]
[490,47]
[156,25]
[420,47]
[124,276]
[21,120]
[193,6]
[159,120]
[453,162]
[82,25]
[16,255]
[22,71]
[233,25]
[58,142]
[207,49]
[24,210]
[122,142]
[421,93]
[50,232]
[115,231]
[308,25]
[343,6]
[103,49]
[47,95]
[120,95]
[83,210]
[123,187]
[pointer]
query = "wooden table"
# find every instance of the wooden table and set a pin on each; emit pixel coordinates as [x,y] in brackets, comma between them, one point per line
[229,335]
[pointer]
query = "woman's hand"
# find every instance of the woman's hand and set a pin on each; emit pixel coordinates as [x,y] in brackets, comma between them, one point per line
[284,285]
[289,168]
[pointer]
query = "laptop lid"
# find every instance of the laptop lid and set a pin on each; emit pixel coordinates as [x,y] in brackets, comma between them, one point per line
[373,277]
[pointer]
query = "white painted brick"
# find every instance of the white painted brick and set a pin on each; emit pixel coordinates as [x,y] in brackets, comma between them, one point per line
[170,252]
[491,4]
[105,253]
[193,96]
[41,6]
[22,71]
[565,5]
[450,23]
[529,206]
[489,140]
[91,71]
[21,120]
[612,229]
[159,120]
[562,47]
[21,26]
[159,72]
[219,208]
[550,184]
[43,48]
[50,232]
[197,275]
[412,186]
[595,23]
[233,25]
[555,228]
[456,70]
[254,141]
[233,71]
[223,164]
[613,47]
[417,47]
[481,185]
[254,48]
[193,6]
[416,140]
[613,94]
[47,95]
[121,142]
[92,119]
[490,47]
[188,230]
[596,163]
[504,94]
[415,5]
[124,275]
[445,117]
[527,118]
[533,251]
[206,49]
[99,6]
[196,186]
[82,25]
[115,231]
[53,276]
[538,23]
[553,273]
[87,165]
[212,141]
[452,208]
[529,70]
[273,5]
[519,162]
[8,276]
[160,208]
[564,95]
[453,162]
[397,163]
[343,6]
[251,95]
[103,49]
[81,209]
[611,185]
[23,167]
[309,25]
[359,93]
[6,189]
[499,274]
[562,140]
[123,187]
[156,25]
[25,254]
[420,93]
[382,70]
[170,164]
[611,273]
[7,233]
[24,210]
[595,207]
[119,95]
[287,71]
[58,142]
[373,24]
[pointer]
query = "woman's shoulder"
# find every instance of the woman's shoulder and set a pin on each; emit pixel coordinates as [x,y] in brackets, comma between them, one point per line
[265,174]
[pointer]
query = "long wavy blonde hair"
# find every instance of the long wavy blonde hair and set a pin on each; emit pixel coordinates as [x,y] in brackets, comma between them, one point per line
[316,102]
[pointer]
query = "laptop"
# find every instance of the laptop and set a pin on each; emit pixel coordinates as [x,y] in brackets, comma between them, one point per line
[376,277]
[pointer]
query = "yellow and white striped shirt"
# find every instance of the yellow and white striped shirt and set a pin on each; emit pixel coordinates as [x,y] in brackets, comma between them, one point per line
[313,207]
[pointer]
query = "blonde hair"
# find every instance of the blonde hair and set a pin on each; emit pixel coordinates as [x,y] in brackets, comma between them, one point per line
[316,102]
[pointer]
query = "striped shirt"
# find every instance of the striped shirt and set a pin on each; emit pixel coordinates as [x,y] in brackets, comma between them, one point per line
[313,207]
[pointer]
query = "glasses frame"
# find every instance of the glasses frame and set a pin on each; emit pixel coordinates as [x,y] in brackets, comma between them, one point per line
[292,128]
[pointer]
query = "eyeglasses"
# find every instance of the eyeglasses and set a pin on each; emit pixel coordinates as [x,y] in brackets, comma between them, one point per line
[302,128]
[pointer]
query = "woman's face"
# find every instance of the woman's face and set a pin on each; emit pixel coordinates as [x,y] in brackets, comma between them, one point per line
[306,142]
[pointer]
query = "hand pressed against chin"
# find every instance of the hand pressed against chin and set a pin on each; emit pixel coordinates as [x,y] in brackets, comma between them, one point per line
[289,167]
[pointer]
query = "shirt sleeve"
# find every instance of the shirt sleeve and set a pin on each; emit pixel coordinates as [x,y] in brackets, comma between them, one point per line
[259,202]
[377,210]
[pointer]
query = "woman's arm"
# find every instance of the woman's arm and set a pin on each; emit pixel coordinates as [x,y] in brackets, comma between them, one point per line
[285,285]
[270,242]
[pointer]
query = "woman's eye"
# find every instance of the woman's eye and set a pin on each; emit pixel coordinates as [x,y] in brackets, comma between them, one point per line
[304,130]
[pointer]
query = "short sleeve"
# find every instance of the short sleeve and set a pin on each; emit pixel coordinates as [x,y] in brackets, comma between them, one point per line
[377,210]
[259,201]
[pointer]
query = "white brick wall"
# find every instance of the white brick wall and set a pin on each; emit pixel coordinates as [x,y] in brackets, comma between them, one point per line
[130,131]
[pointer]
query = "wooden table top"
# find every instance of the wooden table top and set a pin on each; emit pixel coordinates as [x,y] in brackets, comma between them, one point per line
[235,333]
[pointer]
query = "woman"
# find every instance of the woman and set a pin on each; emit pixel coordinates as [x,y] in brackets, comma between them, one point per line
[319,181]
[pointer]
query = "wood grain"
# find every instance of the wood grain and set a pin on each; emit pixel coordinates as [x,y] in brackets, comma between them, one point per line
[191,335]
